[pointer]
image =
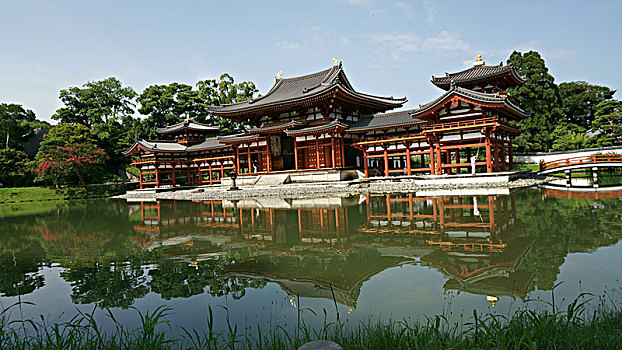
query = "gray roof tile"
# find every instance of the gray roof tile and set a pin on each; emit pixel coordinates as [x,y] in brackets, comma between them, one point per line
[385,121]
[302,88]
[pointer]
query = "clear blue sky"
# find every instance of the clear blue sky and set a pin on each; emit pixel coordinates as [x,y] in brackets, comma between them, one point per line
[387,47]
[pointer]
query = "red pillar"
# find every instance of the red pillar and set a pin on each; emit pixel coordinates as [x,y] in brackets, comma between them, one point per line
[296,153]
[408,165]
[488,153]
[332,150]
[386,161]
[317,151]
[365,166]
[496,152]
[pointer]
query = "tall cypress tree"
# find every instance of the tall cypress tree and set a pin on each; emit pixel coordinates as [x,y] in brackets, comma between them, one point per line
[540,97]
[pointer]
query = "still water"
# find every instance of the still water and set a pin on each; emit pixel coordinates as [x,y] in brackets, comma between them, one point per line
[398,256]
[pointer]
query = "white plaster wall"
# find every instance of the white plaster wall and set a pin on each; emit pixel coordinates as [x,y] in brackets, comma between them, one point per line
[551,156]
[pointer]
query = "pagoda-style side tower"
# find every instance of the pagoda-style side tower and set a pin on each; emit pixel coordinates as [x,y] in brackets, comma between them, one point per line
[468,126]
[482,78]
[188,133]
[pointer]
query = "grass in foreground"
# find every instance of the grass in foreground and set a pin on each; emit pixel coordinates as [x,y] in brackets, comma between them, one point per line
[571,329]
[22,194]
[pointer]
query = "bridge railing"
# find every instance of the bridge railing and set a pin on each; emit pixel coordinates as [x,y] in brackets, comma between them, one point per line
[593,159]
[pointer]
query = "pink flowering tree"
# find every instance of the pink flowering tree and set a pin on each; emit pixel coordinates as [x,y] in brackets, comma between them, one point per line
[65,164]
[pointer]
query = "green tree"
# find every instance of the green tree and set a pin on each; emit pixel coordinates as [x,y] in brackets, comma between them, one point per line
[214,92]
[63,133]
[607,124]
[14,168]
[15,121]
[579,101]
[169,104]
[568,136]
[540,97]
[96,102]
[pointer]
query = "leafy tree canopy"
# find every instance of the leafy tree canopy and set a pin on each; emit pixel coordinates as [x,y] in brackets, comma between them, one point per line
[538,96]
[579,101]
[14,168]
[224,91]
[607,124]
[169,104]
[96,102]
[15,121]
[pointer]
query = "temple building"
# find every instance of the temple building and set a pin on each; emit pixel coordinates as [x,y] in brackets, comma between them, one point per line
[190,159]
[470,119]
[303,123]
[319,122]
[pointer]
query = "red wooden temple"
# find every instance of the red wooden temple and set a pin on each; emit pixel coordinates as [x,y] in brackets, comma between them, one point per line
[190,159]
[302,123]
[318,122]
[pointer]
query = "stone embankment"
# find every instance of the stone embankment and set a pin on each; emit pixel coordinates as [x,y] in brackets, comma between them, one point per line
[346,188]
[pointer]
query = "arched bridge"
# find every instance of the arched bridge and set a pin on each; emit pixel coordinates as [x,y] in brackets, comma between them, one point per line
[586,162]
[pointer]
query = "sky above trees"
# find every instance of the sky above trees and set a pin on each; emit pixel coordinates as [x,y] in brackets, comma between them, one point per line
[387,47]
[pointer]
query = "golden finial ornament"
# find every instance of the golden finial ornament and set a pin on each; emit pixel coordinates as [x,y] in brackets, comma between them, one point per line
[335,61]
[479,58]
[279,75]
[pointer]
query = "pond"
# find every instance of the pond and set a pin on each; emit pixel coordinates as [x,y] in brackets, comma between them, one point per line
[258,262]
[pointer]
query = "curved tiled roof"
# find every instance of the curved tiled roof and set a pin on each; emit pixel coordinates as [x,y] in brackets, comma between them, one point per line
[472,95]
[385,121]
[319,128]
[303,88]
[188,125]
[277,128]
[172,146]
[476,73]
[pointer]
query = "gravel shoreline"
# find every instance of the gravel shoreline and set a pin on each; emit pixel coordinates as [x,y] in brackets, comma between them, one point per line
[332,189]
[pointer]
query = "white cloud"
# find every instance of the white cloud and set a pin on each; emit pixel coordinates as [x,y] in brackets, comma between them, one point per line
[397,45]
[405,9]
[362,3]
[430,9]
[288,45]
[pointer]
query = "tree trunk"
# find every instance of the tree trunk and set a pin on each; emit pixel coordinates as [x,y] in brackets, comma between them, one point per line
[7,138]
[81,177]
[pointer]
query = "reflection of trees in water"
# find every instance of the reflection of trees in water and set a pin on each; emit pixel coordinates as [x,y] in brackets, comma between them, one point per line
[107,284]
[563,226]
[19,273]
[178,279]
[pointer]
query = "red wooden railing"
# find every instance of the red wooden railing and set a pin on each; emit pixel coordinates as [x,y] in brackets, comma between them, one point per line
[593,159]
[461,124]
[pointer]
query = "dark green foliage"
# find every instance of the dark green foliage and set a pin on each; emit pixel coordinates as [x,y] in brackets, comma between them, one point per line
[167,105]
[608,123]
[568,136]
[96,103]
[540,97]
[579,101]
[15,121]
[15,168]
[225,91]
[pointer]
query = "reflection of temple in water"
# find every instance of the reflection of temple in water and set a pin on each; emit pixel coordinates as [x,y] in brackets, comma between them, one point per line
[309,245]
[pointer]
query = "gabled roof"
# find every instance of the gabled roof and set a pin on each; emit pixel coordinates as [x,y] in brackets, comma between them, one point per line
[382,121]
[495,100]
[155,146]
[189,126]
[277,128]
[301,91]
[477,73]
[334,125]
